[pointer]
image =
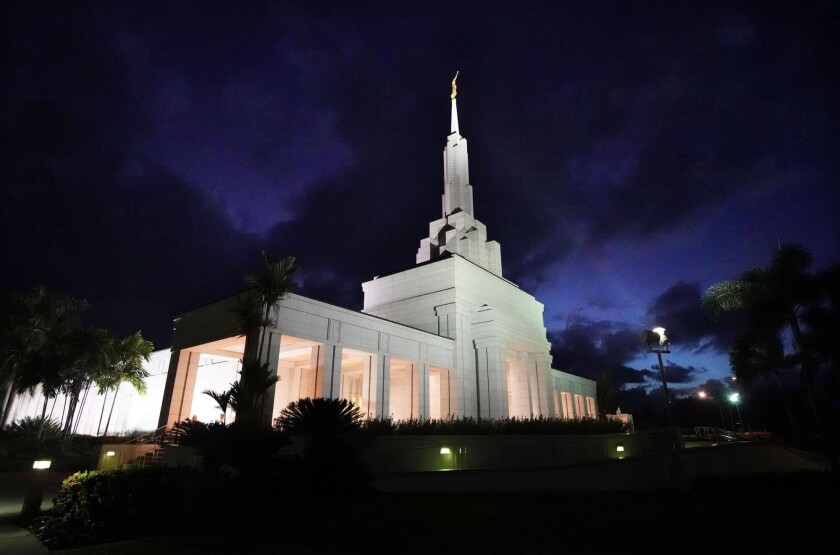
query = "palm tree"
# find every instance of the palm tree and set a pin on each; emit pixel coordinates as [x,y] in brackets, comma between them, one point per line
[255,378]
[90,355]
[129,354]
[823,320]
[30,323]
[328,424]
[754,355]
[222,400]
[43,370]
[270,287]
[319,417]
[777,299]
[253,319]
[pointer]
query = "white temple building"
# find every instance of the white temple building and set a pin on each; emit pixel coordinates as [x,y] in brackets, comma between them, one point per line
[449,336]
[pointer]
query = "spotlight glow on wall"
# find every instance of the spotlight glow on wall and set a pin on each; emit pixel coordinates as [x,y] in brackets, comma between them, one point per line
[41,465]
[445,451]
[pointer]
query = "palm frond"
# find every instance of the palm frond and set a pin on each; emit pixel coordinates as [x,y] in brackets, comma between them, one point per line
[724,296]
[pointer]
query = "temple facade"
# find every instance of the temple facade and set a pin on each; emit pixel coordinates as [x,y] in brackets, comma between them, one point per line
[449,336]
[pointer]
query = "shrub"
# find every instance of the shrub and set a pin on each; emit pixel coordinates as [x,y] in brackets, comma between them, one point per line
[32,428]
[331,427]
[319,416]
[241,446]
[469,425]
[109,505]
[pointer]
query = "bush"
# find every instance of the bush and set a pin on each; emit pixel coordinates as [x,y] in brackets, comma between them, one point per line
[243,447]
[319,417]
[20,440]
[469,425]
[34,428]
[333,439]
[109,505]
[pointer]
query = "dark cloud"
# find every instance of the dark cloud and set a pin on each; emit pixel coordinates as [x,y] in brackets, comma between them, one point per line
[680,311]
[592,348]
[674,373]
[84,216]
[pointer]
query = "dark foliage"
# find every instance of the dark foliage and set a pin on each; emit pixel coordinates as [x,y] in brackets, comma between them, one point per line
[330,430]
[34,428]
[239,446]
[484,426]
[99,506]
[319,417]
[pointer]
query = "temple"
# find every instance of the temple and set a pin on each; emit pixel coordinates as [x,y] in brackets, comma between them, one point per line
[449,336]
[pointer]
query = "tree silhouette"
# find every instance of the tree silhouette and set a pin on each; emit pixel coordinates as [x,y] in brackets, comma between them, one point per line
[784,299]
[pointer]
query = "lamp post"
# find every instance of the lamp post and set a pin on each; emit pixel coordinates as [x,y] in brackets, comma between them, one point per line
[658,343]
[735,399]
[703,395]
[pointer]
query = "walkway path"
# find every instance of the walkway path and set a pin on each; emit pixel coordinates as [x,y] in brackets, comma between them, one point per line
[15,540]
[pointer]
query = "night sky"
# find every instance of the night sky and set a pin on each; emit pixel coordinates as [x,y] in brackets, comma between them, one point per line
[626,155]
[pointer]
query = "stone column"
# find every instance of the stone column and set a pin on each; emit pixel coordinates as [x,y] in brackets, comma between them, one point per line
[180,387]
[491,378]
[539,370]
[328,371]
[420,406]
[368,393]
[381,387]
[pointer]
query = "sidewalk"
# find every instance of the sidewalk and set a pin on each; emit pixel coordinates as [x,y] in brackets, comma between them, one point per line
[15,540]
[18,541]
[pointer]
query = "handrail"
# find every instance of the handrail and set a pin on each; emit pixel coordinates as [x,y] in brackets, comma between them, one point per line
[149,435]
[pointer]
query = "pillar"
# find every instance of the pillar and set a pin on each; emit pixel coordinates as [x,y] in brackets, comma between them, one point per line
[381,387]
[327,359]
[491,379]
[420,406]
[180,387]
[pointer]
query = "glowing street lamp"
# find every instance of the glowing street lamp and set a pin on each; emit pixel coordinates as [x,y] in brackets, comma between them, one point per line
[704,395]
[735,398]
[657,342]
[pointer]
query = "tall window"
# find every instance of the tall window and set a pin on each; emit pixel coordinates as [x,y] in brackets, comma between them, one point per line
[568,412]
[579,406]
[352,388]
[591,411]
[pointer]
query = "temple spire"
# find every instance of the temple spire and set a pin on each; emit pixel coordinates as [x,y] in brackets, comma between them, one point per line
[457,231]
[453,128]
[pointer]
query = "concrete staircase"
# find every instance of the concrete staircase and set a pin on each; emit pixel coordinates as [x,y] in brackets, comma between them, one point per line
[152,458]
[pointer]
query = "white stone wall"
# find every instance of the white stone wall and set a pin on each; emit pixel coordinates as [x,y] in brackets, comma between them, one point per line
[131,411]
[500,338]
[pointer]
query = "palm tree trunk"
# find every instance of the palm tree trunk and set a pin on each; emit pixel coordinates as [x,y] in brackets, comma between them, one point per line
[7,401]
[71,409]
[811,387]
[110,412]
[43,414]
[102,412]
[785,403]
[75,392]
[55,400]
[81,407]
[64,408]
